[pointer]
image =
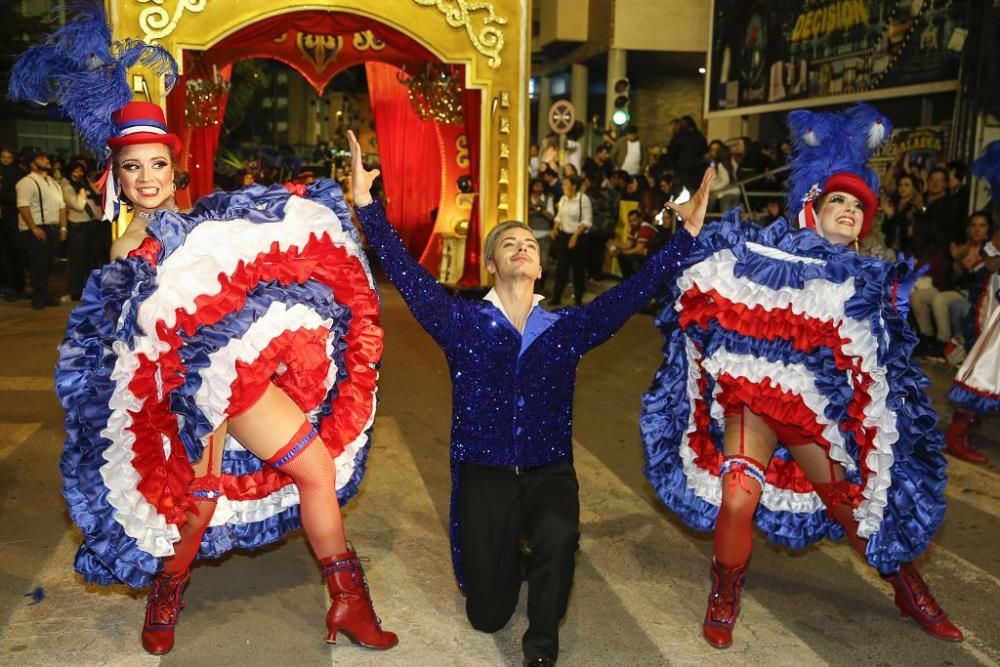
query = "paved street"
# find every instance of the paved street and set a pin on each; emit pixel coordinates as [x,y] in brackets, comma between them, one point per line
[641,582]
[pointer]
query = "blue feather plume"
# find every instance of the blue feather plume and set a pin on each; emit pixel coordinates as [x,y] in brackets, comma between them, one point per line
[82,71]
[987,166]
[825,143]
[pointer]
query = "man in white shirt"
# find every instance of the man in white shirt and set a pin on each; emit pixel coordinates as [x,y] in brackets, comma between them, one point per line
[41,222]
[628,154]
[574,218]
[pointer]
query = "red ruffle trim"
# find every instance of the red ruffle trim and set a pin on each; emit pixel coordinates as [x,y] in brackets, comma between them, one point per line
[164,482]
[148,250]
[804,333]
[977,392]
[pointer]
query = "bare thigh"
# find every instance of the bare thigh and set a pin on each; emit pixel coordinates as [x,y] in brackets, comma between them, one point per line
[269,424]
[816,464]
[749,435]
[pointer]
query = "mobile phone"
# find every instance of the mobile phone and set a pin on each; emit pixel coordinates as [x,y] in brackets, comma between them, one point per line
[682,197]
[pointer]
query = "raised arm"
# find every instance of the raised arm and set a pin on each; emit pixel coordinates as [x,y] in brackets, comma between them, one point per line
[75,199]
[433,307]
[608,312]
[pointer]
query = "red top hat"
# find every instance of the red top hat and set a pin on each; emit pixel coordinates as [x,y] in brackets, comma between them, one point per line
[851,184]
[142,123]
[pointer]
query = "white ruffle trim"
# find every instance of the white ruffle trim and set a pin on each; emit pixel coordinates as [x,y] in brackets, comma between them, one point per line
[823,300]
[237,512]
[219,246]
[181,278]
[214,394]
[981,369]
[708,486]
[137,516]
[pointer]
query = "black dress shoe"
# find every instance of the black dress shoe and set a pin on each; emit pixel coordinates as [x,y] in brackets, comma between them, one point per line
[539,662]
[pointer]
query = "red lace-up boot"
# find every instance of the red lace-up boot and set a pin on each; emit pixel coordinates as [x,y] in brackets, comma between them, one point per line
[958,437]
[914,599]
[352,612]
[162,609]
[723,604]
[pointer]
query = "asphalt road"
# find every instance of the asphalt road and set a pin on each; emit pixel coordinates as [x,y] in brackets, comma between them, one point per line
[641,582]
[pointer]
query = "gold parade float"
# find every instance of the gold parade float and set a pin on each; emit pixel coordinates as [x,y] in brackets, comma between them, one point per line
[486,43]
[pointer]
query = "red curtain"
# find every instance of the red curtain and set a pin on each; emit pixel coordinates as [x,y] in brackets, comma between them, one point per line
[410,157]
[200,143]
[471,109]
[277,38]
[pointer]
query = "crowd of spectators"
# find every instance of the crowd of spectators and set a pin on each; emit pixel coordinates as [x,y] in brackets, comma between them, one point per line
[598,216]
[924,216]
[615,217]
[49,211]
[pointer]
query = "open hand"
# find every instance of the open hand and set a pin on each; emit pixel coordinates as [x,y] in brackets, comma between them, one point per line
[361,178]
[692,212]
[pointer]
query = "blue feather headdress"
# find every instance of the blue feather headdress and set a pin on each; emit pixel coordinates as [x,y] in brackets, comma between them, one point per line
[825,144]
[987,167]
[82,71]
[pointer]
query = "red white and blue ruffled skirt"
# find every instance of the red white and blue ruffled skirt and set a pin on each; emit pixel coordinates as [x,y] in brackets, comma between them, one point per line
[812,337]
[977,383]
[250,288]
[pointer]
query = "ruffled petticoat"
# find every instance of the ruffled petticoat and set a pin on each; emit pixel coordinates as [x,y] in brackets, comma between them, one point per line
[252,287]
[812,337]
[977,383]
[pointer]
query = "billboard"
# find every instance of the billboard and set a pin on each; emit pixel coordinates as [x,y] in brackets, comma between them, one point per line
[768,55]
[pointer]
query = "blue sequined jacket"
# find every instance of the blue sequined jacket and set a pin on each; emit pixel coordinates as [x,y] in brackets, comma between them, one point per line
[512,408]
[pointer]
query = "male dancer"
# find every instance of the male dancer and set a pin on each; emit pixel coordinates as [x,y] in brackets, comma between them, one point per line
[513,367]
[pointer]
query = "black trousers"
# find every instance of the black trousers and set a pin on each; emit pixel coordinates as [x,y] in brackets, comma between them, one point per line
[87,248]
[497,507]
[598,248]
[630,264]
[566,258]
[40,255]
[11,254]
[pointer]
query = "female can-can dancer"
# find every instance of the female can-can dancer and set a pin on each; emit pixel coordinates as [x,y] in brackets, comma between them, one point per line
[219,376]
[788,397]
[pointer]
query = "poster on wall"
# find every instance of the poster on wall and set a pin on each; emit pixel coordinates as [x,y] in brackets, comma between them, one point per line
[769,53]
[917,150]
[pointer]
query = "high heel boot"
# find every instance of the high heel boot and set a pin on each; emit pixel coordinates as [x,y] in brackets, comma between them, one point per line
[914,599]
[958,438]
[723,604]
[162,609]
[352,612]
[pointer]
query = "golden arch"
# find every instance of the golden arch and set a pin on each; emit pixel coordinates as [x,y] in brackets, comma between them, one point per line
[492,39]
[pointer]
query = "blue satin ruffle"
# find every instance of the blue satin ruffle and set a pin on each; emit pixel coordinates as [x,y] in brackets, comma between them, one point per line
[916,496]
[106,317]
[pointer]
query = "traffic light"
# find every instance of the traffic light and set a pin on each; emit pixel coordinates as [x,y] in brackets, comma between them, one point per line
[620,116]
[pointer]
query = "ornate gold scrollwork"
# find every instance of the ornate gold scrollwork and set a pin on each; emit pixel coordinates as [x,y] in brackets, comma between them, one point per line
[156,22]
[504,126]
[504,150]
[319,49]
[462,151]
[366,40]
[488,40]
